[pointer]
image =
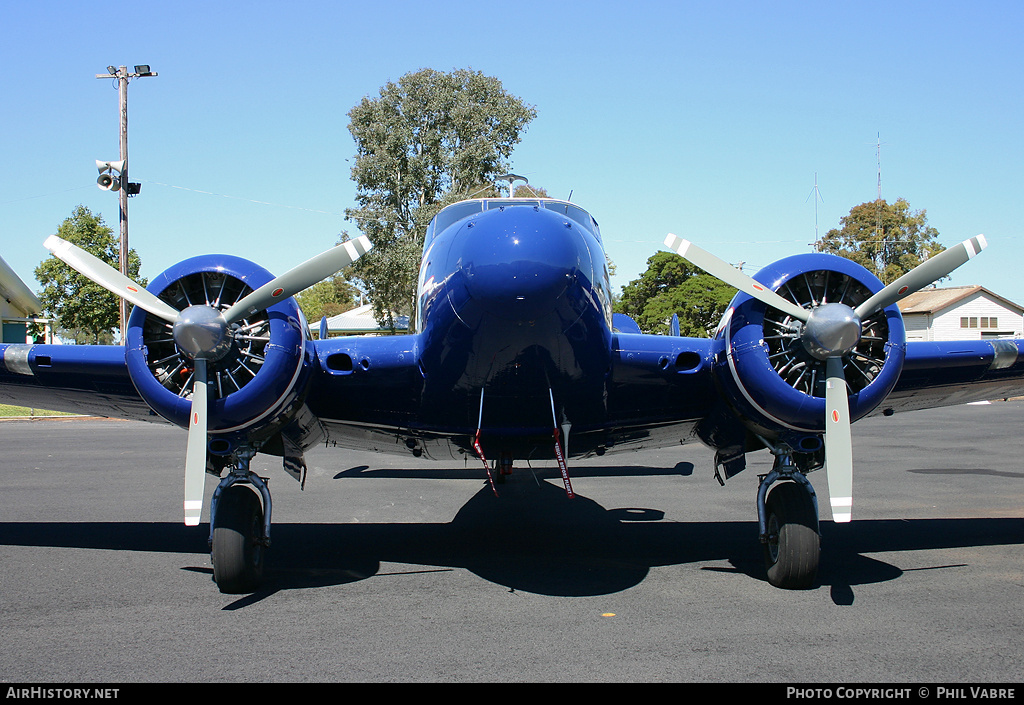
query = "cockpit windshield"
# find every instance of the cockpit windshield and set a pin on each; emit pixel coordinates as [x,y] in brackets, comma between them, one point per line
[464,209]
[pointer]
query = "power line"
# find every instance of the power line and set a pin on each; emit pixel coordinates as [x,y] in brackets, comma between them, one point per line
[242,198]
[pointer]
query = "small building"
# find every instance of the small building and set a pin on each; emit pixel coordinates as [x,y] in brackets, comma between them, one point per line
[961,313]
[360,321]
[20,309]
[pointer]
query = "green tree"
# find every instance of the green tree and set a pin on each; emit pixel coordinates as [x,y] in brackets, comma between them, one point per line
[699,302]
[527,191]
[665,270]
[327,298]
[886,238]
[84,310]
[429,139]
[672,285]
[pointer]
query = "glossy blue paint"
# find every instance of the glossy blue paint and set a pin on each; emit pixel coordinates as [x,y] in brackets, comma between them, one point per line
[755,389]
[265,402]
[513,301]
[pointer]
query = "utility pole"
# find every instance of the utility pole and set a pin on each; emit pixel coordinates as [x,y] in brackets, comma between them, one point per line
[126,188]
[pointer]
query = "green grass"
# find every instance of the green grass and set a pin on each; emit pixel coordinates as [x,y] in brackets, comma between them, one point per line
[7,411]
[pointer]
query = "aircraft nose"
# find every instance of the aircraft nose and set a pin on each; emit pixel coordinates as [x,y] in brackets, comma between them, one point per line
[519,270]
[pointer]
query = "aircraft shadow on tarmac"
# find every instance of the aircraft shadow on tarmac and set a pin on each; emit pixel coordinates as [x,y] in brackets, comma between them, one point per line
[535,539]
[474,471]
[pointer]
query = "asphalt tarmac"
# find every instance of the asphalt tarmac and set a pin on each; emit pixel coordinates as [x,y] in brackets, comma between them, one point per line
[399,569]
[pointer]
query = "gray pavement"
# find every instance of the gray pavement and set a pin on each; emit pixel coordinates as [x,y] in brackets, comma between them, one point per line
[398,569]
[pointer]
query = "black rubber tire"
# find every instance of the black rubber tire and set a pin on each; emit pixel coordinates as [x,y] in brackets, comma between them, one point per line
[794,548]
[237,549]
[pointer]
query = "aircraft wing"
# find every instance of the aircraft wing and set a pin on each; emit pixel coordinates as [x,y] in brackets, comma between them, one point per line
[957,372]
[661,391]
[369,385]
[79,379]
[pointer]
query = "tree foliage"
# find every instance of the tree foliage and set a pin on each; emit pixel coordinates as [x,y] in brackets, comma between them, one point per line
[527,191]
[84,310]
[327,298]
[427,140]
[886,238]
[672,285]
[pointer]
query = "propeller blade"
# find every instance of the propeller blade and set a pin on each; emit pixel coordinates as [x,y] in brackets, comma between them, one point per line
[923,274]
[733,277]
[109,278]
[195,451]
[838,442]
[300,278]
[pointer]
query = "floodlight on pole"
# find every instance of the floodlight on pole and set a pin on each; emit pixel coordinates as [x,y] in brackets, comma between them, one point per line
[126,189]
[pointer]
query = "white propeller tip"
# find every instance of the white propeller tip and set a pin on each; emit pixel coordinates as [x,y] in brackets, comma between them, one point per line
[193,509]
[53,243]
[976,245]
[842,509]
[358,247]
[674,242]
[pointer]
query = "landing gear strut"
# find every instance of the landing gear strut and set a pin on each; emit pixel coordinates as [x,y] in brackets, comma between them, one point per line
[239,527]
[788,522]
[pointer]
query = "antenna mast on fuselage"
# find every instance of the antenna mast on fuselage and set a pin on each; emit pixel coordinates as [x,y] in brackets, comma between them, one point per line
[511,179]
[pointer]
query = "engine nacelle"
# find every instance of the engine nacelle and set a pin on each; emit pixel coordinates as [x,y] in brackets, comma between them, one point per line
[257,387]
[771,379]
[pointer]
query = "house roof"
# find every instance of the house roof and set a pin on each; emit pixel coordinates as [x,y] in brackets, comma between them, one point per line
[15,290]
[361,320]
[932,300]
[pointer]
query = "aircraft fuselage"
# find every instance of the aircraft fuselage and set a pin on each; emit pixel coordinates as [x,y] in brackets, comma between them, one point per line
[514,317]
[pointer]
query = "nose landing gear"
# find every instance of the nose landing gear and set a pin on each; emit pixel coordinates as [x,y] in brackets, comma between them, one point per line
[788,522]
[239,527]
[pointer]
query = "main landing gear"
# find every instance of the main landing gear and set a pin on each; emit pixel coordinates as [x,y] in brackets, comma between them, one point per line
[239,527]
[788,521]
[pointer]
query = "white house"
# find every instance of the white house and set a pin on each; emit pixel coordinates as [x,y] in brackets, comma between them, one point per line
[360,321]
[961,313]
[19,308]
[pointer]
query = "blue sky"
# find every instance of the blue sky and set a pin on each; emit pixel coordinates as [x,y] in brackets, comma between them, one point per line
[706,119]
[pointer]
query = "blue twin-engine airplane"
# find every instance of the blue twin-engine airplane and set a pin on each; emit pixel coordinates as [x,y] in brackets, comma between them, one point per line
[515,355]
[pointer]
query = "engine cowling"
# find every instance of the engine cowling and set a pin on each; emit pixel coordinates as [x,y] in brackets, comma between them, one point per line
[767,370]
[253,388]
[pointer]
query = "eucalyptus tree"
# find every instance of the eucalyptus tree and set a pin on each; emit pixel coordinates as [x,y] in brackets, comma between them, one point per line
[889,239]
[428,139]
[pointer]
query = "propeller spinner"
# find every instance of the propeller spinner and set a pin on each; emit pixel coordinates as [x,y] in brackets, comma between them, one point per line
[829,331]
[205,333]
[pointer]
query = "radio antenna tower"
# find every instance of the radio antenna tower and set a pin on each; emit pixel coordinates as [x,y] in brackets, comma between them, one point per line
[878,159]
[817,197]
[878,200]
